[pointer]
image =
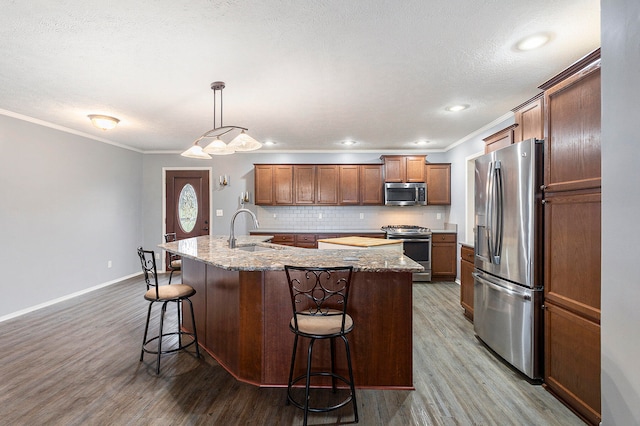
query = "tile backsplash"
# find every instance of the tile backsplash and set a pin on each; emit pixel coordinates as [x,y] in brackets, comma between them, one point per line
[300,218]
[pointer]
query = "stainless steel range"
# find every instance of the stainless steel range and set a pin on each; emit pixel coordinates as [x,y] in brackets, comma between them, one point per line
[417,246]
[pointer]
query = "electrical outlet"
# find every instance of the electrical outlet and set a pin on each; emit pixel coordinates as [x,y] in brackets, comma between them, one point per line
[361,215]
[438,215]
[275,215]
[109,264]
[157,256]
[219,212]
[320,216]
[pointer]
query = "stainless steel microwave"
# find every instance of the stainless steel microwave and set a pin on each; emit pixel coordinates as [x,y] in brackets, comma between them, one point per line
[405,194]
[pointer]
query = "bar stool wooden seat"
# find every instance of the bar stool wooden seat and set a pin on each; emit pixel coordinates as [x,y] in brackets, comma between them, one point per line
[164,294]
[319,301]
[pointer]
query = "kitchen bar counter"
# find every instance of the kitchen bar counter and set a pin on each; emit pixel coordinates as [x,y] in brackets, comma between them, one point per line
[243,308]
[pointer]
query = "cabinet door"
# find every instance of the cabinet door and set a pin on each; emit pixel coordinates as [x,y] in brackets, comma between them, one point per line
[371,184]
[438,184]
[414,167]
[263,184]
[327,184]
[572,360]
[572,151]
[304,180]
[349,185]
[466,281]
[283,184]
[394,168]
[572,251]
[499,140]
[530,120]
[443,256]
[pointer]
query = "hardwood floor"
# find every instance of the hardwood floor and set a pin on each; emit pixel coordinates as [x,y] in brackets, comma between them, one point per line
[76,363]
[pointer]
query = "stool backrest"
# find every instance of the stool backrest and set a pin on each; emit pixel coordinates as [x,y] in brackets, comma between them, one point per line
[319,291]
[148,262]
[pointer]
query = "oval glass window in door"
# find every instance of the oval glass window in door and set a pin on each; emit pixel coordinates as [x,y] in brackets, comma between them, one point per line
[187,208]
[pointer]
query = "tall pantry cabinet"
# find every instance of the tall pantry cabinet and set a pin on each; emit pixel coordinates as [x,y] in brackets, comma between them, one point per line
[572,190]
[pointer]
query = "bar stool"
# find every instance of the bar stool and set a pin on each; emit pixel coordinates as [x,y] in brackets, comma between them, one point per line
[175,261]
[319,301]
[177,293]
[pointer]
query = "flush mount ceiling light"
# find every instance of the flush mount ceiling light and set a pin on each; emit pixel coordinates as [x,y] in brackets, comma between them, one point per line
[241,143]
[456,108]
[103,122]
[269,143]
[422,142]
[532,42]
[348,142]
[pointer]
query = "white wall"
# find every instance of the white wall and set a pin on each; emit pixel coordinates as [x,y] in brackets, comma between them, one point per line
[620,203]
[68,205]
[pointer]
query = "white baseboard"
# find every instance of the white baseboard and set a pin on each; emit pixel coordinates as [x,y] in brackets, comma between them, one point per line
[63,298]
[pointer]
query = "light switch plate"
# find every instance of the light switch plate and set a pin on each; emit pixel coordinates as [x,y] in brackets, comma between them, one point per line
[219,212]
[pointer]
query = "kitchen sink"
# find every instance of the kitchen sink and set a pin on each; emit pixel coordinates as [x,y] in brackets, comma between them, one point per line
[257,248]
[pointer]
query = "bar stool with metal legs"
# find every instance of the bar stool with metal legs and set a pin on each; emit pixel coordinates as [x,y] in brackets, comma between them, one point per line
[175,261]
[319,300]
[164,294]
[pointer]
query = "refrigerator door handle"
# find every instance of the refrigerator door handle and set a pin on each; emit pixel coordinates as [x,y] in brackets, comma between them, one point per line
[499,211]
[524,296]
[490,211]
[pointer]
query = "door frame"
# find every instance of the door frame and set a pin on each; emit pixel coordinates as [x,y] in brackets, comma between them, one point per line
[164,201]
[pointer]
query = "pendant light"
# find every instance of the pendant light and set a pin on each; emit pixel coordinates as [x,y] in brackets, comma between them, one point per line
[241,143]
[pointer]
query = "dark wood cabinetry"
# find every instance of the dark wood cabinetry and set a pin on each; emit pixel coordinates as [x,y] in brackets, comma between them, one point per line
[403,168]
[504,137]
[438,183]
[572,214]
[467,258]
[443,256]
[304,184]
[318,184]
[349,184]
[282,185]
[530,119]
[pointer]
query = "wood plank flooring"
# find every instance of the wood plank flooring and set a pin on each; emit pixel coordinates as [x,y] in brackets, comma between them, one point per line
[76,363]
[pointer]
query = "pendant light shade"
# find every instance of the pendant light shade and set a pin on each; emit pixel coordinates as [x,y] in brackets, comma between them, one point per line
[218,147]
[242,142]
[196,151]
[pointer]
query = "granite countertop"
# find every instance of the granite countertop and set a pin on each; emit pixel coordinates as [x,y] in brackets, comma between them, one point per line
[214,250]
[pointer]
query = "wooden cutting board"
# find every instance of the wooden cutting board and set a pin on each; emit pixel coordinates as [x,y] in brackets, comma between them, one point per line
[360,241]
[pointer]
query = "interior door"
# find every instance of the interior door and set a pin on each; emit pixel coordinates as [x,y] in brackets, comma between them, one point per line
[187,195]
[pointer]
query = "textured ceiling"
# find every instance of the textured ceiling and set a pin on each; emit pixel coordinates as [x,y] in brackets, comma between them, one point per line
[305,74]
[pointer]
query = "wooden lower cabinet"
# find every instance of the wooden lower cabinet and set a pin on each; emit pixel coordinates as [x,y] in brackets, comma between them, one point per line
[572,361]
[467,257]
[443,257]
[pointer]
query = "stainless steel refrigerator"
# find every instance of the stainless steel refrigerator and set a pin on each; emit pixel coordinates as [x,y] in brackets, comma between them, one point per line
[508,254]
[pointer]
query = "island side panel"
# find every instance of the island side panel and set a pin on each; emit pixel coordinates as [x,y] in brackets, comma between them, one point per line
[381,342]
[194,274]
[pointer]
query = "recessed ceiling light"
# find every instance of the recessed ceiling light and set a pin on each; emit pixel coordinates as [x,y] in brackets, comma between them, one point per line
[532,42]
[422,142]
[456,108]
[269,143]
[348,142]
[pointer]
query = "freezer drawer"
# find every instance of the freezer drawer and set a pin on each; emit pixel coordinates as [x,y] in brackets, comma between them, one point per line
[507,318]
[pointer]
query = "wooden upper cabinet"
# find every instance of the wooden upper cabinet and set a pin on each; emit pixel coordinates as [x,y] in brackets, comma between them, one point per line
[304,184]
[371,184]
[402,168]
[438,183]
[530,119]
[327,184]
[263,184]
[572,115]
[504,137]
[349,184]
[282,185]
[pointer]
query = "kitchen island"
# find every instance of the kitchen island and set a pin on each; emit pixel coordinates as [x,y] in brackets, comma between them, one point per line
[242,308]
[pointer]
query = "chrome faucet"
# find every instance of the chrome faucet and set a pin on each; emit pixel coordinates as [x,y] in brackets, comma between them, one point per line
[232,239]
